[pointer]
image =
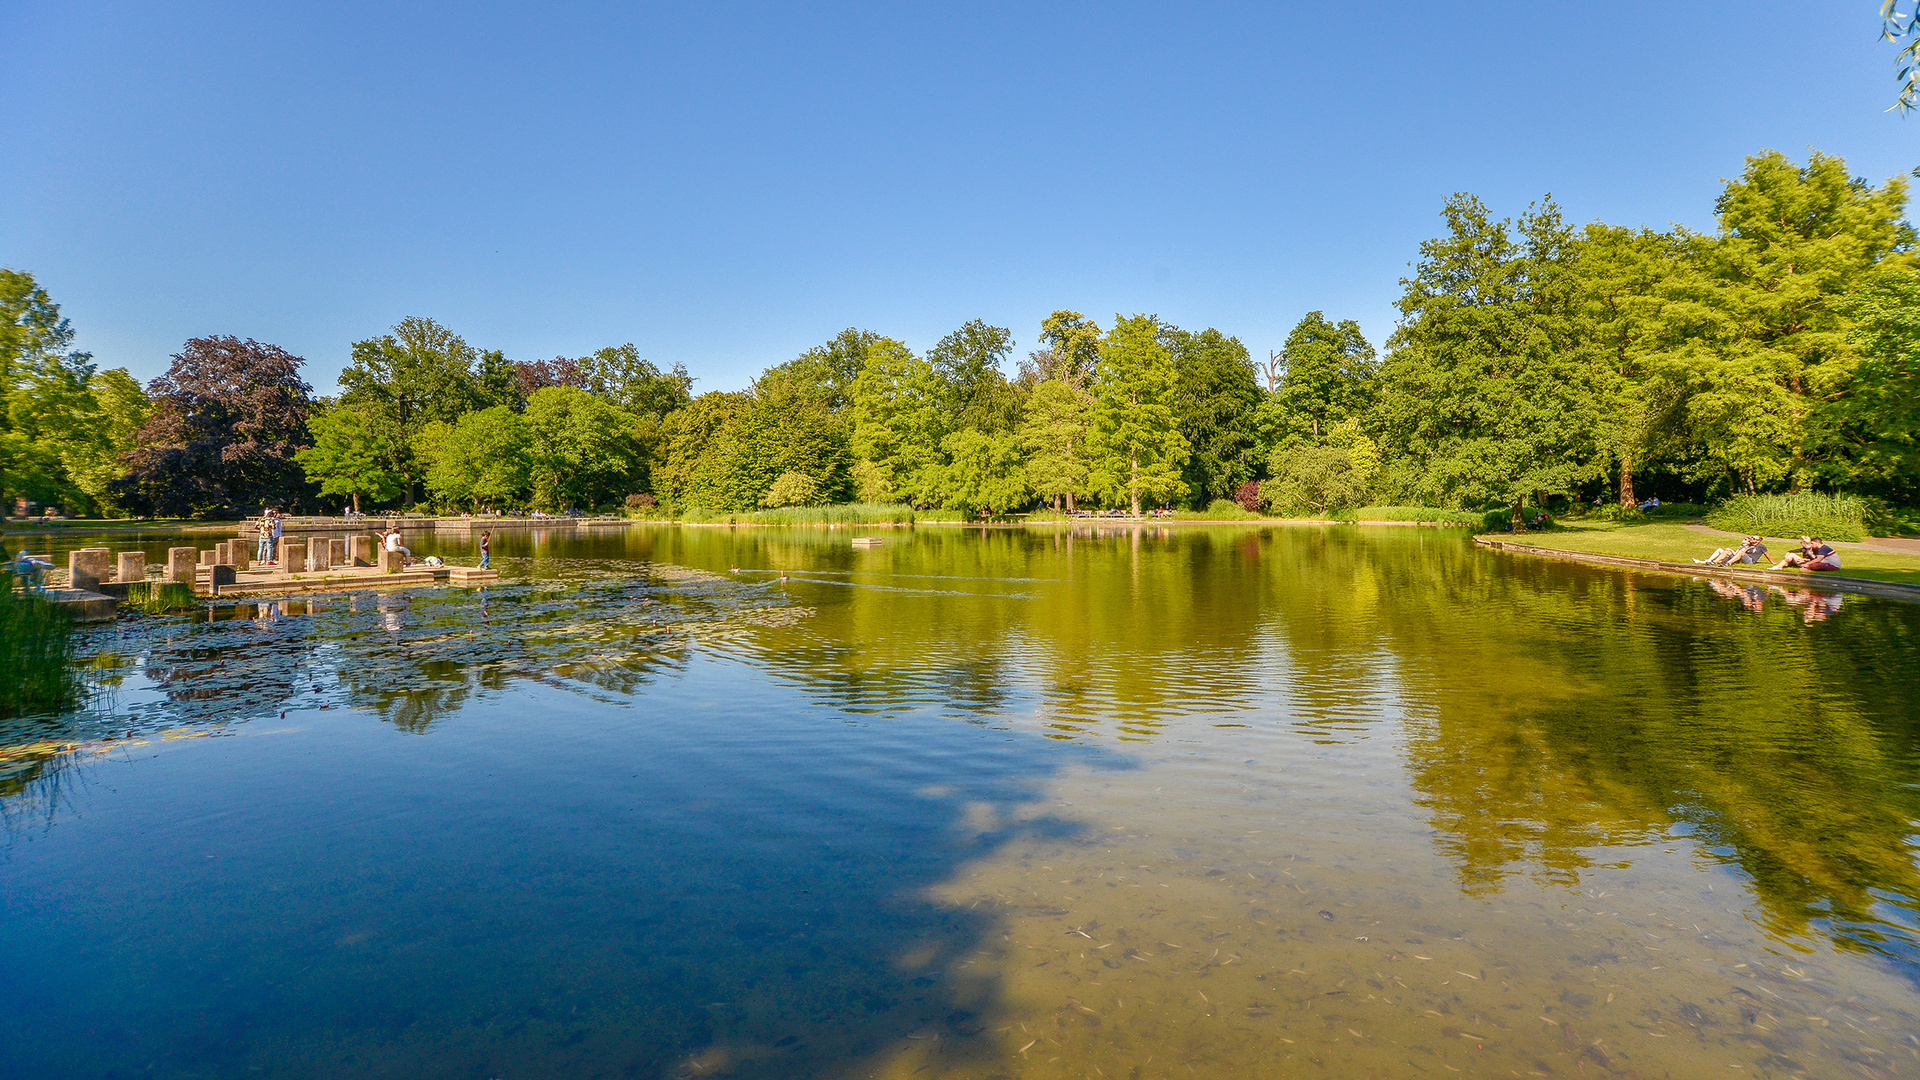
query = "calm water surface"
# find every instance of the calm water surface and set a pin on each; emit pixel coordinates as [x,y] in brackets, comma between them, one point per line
[1194,802]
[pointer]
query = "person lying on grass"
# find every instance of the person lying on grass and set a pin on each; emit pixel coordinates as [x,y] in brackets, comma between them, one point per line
[1812,554]
[1750,551]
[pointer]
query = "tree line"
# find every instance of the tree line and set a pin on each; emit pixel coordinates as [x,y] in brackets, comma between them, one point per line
[1533,360]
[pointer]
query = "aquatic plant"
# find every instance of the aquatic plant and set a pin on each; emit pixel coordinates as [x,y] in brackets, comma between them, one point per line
[160,597]
[36,645]
[1809,513]
[1431,515]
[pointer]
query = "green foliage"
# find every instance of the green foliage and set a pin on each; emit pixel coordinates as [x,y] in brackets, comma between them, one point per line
[1430,515]
[419,373]
[1055,435]
[1873,425]
[896,401]
[36,646]
[160,597]
[1805,513]
[1137,450]
[1217,389]
[1319,480]
[1329,377]
[584,449]
[350,455]
[1228,510]
[834,514]
[1488,393]
[792,489]
[984,472]
[974,391]
[482,459]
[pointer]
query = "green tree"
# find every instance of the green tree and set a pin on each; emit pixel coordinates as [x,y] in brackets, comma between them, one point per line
[1072,350]
[1768,344]
[481,459]
[1215,398]
[1054,435]
[349,456]
[828,371]
[1877,420]
[1329,372]
[1314,478]
[968,362]
[792,489]
[1486,391]
[419,373]
[625,379]
[584,450]
[896,401]
[1137,448]
[984,472]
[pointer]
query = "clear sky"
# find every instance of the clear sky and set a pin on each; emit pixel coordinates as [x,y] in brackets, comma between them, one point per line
[727,184]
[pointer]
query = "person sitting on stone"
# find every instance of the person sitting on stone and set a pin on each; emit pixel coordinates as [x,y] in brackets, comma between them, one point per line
[394,545]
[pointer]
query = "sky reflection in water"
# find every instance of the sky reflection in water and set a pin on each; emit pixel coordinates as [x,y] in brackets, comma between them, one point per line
[977,804]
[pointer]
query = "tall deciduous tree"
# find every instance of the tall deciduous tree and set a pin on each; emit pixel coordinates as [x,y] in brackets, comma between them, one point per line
[1329,369]
[984,472]
[349,457]
[1769,342]
[1486,389]
[1876,422]
[898,422]
[482,459]
[1137,450]
[584,450]
[969,363]
[418,373]
[1054,433]
[1216,397]
[228,416]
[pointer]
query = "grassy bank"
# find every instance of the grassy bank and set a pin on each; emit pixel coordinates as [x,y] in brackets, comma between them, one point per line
[1677,543]
[36,673]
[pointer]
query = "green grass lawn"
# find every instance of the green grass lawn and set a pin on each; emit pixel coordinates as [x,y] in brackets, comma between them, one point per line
[1677,543]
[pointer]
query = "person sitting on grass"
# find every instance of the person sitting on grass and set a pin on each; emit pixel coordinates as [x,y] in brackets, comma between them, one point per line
[1812,554]
[1750,551]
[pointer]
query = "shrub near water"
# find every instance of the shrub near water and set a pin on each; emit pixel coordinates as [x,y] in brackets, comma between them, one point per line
[160,597]
[36,671]
[1806,513]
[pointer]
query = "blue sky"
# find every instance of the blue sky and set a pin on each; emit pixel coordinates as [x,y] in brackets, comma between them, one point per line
[727,184]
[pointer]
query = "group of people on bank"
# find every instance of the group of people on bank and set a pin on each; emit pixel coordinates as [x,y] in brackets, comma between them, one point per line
[1812,554]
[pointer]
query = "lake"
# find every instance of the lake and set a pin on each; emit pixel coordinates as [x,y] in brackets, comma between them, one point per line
[1097,802]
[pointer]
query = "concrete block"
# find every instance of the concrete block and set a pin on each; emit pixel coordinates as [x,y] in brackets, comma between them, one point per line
[390,562]
[83,606]
[206,557]
[337,553]
[221,556]
[87,568]
[181,562]
[293,556]
[319,554]
[363,549]
[133,566]
[222,577]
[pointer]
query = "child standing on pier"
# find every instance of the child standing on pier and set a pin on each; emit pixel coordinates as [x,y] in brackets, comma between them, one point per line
[486,547]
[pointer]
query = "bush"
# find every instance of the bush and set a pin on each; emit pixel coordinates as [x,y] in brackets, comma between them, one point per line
[642,506]
[1227,510]
[1248,495]
[1429,515]
[1809,513]
[36,644]
[836,514]
[792,489]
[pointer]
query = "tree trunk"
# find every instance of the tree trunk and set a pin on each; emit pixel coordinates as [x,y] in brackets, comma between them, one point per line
[1069,502]
[1627,499]
[356,502]
[1519,521]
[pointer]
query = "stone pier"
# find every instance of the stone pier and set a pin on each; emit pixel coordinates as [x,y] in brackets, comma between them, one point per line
[363,548]
[133,566]
[181,562]
[293,556]
[87,568]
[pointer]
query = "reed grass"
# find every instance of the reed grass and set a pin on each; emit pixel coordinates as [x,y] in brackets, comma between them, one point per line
[160,597]
[1802,513]
[1429,514]
[837,514]
[36,653]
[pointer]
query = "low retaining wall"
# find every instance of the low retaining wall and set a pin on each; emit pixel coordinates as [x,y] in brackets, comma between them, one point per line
[1890,590]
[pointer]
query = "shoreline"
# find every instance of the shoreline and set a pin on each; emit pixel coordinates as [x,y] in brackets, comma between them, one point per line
[1888,590]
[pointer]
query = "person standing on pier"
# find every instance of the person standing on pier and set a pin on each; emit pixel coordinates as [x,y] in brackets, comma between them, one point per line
[486,547]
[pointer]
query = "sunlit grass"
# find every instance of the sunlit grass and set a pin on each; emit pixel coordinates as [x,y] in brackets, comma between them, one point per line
[1678,543]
